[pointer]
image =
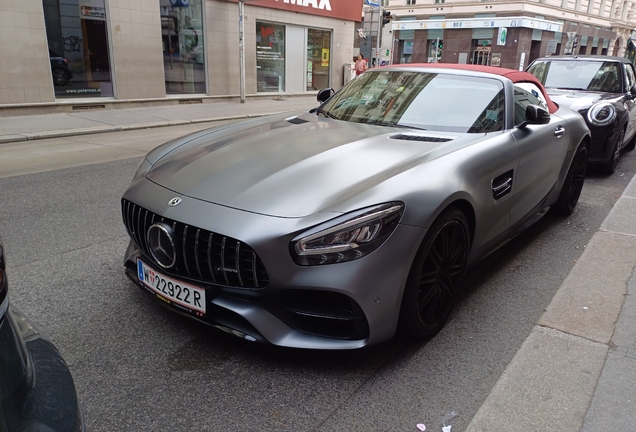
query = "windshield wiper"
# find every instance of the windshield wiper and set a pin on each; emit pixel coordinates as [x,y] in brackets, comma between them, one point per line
[326,113]
[393,124]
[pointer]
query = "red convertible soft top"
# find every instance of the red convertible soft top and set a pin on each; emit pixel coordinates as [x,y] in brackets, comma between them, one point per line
[513,75]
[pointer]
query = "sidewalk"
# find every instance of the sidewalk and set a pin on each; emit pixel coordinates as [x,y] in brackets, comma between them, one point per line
[576,369]
[32,127]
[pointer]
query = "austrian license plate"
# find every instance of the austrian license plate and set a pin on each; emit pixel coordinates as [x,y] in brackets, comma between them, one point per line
[179,294]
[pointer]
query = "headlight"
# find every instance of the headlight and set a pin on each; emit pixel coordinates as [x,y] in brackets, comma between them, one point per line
[347,237]
[143,167]
[601,114]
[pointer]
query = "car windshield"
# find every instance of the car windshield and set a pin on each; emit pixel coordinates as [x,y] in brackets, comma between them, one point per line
[420,100]
[579,75]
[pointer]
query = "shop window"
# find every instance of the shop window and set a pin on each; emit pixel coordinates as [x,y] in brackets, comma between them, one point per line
[77,36]
[318,59]
[270,57]
[183,47]
[407,51]
[435,47]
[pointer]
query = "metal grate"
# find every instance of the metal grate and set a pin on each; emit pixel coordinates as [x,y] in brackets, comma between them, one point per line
[201,255]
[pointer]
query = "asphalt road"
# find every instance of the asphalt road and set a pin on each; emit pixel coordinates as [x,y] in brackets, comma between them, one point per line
[140,367]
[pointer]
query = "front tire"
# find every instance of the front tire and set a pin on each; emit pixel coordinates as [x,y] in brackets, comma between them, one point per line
[573,184]
[631,144]
[610,166]
[436,276]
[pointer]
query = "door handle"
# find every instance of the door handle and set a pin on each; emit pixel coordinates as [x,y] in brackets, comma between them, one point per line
[559,131]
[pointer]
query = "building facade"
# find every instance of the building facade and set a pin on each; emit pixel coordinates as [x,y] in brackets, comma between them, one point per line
[63,52]
[506,33]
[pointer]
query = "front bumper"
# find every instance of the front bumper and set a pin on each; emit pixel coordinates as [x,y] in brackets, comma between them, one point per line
[338,306]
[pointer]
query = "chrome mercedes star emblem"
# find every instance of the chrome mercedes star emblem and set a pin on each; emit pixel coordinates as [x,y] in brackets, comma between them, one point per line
[174,202]
[161,245]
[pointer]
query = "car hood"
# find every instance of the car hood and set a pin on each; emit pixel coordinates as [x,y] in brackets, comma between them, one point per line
[294,167]
[578,100]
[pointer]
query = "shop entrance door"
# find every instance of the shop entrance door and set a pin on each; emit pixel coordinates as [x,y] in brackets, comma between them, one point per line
[481,57]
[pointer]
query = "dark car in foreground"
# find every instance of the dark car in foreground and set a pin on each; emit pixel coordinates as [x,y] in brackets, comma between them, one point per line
[335,228]
[603,90]
[60,70]
[37,393]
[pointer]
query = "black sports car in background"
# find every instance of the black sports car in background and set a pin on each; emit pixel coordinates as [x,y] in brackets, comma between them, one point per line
[602,89]
[36,388]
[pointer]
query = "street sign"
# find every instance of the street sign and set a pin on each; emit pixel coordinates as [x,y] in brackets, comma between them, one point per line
[372,3]
[501,37]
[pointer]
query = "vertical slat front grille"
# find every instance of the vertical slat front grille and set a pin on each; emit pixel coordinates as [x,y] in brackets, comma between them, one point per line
[202,255]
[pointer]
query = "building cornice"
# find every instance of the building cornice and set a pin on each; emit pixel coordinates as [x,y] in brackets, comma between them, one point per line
[471,23]
[484,7]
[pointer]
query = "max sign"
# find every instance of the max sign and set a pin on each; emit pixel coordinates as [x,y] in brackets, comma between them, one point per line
[324,4]
[341,9]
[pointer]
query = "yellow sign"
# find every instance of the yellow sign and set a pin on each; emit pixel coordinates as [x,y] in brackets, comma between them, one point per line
[325,56]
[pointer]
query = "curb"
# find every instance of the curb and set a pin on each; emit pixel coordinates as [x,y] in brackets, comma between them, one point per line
[31,136]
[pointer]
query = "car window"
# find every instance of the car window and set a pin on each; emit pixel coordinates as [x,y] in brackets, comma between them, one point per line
[432,101]
[579,75]
[539,69]
[527,94]
[631,77]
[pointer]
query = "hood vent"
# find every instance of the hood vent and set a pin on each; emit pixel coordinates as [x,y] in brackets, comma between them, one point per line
[419,138]
[296,120]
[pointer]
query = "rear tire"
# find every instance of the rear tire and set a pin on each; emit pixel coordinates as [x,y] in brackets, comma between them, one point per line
[573,184]
[436,276]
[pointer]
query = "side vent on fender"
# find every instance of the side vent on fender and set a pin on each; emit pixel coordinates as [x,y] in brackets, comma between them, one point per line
[502,185]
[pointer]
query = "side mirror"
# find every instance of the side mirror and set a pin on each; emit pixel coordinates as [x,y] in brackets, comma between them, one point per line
[325,94]
[633,90]
[535,115]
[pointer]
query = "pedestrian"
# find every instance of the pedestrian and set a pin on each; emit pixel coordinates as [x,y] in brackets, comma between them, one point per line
[361,65]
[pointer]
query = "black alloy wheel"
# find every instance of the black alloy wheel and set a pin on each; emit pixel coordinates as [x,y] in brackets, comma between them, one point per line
[60,77]
[610,166]
[436,276]
[573,184]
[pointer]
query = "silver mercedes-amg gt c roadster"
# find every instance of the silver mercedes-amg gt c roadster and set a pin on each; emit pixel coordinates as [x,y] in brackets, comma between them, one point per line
[338,227]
